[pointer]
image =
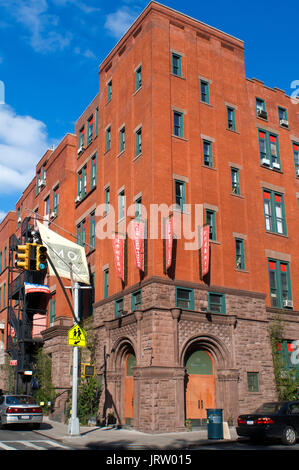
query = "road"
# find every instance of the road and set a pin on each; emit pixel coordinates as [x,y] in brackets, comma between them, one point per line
[24,439]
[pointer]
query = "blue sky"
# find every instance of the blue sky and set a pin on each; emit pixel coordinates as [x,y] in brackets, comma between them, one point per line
[50,51]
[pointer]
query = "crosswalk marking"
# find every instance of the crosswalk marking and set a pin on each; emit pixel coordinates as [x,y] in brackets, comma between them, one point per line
[6,447]
[31,444]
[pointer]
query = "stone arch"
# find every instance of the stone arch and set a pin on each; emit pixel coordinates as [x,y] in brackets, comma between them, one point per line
[210,343]
[122,349]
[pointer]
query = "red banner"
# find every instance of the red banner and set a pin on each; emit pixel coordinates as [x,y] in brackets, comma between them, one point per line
[138,242]
[118,249]
[205,255]
[169,241]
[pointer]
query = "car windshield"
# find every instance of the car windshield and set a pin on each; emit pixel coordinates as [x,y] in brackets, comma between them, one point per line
[269,408]
[20,400]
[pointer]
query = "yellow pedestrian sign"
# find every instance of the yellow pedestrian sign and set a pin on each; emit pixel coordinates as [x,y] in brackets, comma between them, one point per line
[77,336]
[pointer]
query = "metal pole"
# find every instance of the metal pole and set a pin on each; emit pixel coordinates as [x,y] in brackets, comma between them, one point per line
[74,424]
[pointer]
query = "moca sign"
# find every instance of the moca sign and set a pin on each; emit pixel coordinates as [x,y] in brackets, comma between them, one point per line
[64,253]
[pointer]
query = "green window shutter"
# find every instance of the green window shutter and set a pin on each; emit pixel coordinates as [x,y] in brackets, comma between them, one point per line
[216,302]
[138,141]
[122,136]
[180,194]
[211,221]
[177,64]
[136,300]
[235,179]
[204,91]
[138,77]
[231,118]
[106,283]
[240,256]
[207,153]
[92,230]
[184,298]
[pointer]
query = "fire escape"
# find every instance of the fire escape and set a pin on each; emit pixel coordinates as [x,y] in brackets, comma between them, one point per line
[21,346]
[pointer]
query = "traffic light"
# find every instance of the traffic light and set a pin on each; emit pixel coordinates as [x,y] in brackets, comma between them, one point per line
[22,259]
[87,370]
[41,258]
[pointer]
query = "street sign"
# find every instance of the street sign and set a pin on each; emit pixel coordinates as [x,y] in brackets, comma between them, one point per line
[77,336]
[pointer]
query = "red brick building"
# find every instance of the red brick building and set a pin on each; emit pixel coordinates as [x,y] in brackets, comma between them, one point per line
[176,122]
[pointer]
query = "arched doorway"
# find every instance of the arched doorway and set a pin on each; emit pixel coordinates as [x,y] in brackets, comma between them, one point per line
[130,362]
[200,385]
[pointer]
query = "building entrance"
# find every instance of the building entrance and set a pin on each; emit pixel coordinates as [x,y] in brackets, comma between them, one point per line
[200,386]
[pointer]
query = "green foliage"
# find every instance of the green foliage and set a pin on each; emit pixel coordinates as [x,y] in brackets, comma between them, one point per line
[88,399]
[46,391]
[286,378]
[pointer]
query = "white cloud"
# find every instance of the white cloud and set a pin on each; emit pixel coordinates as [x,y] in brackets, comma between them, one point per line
[42,26]
[23,141]
[120,21]
[87,53]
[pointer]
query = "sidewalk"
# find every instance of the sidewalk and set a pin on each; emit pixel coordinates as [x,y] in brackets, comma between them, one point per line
[126,439]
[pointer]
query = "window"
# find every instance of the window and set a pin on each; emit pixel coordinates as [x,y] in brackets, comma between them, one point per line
[231,118]
[92,231]
[106,283]
[81,233]
[260,108]
[107,199]
[108,138]
[5,258]
[52,308]
[286,349]
[211,221]
[97,122]
[180,196]
[280,283]
[47,206]
[121,204]
[138,76]
[122,139]
[0,262]
[177,65]
[207,153]
[296,157]
[204,91]
[216,302]
[119,307]
[81,139]
[4,296]
[109,90]
[269,149]
[82,181]
[138,141]
[178,124]
[274,212]
[253,381]
[240,257]
[184,298]
[138,213]
[55,199]
[283,117]
[235,178]
[136,300]
[40,179]
[93,171]
[89,129]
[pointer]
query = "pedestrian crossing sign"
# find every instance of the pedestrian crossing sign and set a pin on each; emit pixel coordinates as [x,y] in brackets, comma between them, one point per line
[77,336]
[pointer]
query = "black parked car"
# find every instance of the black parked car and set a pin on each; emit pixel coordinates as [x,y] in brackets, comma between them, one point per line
[277,420]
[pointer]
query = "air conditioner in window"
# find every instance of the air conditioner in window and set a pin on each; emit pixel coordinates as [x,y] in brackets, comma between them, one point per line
[261,113]
[297,172]
[284,122]
[266,161]
[78,199]
[288,303]
[276,165]
[42,183]
[19,220]
[80,150]
[52,215]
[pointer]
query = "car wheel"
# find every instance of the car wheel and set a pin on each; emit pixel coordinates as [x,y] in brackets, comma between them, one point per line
[289,436]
